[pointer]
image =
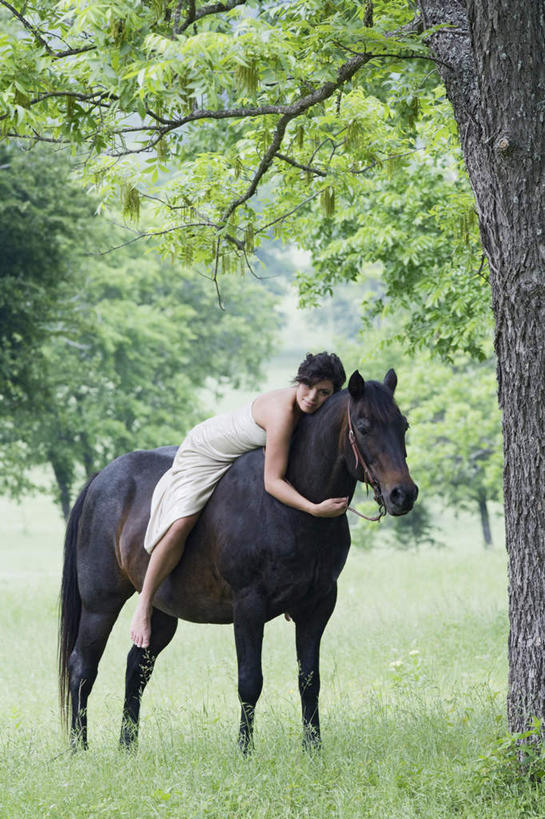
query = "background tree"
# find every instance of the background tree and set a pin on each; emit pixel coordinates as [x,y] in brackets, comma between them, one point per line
[288,92]
[456,447]
[42,237]
[116,357]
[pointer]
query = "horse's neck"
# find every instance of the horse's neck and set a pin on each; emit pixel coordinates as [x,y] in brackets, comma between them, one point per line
[316,465]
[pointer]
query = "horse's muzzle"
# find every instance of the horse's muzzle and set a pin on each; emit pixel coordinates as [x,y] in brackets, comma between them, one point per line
[401,499]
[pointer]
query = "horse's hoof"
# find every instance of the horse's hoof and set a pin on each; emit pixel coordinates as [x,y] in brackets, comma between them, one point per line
[128,739]
[246,745]
[312,742]
[77,743]
[128,747]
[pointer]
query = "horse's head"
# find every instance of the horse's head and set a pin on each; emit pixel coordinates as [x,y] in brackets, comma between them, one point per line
[375,451]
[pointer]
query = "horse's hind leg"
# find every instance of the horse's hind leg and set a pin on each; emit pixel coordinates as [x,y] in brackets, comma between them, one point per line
[140,663]
[94,630]
[309,627]
[249,620]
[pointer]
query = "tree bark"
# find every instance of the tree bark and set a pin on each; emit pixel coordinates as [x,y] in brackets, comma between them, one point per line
[495,79]
[485,521]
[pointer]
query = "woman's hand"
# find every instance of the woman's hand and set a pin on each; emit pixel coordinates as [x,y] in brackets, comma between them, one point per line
[330,508]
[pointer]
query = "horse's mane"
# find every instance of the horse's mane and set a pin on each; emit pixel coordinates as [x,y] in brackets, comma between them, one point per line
[378,403]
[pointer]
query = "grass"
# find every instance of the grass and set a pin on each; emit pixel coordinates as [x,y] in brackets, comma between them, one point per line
[413,699]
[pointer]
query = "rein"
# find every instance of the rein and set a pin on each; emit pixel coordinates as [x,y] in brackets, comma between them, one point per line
[368,475]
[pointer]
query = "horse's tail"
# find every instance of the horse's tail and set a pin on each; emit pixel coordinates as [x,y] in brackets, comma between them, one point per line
[70,600]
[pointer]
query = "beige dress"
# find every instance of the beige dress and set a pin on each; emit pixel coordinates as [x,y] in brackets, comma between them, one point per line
[203,457]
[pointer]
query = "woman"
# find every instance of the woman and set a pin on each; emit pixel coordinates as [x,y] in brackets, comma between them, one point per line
[208,452]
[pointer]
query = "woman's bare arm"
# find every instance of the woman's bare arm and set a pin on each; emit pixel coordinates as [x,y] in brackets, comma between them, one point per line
[280,422]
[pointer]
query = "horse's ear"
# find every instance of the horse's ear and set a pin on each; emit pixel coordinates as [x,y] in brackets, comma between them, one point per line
[390,380]
[356,385]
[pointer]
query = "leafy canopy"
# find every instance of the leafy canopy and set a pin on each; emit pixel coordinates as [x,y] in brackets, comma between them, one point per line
[315,121]
[411,241]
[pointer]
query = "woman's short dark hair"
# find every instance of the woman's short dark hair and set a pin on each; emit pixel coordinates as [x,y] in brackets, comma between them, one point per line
[320,367]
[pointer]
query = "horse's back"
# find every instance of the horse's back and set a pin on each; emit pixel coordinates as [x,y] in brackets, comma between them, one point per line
[128,481]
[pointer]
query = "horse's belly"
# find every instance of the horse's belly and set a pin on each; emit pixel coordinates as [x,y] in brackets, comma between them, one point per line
[195,591]
[195,613]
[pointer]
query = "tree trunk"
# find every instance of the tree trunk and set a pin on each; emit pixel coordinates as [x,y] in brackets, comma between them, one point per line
[87,455]
[64,483]
[494,73]
[485,521]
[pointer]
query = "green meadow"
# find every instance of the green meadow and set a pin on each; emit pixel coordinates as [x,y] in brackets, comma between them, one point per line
[413,698]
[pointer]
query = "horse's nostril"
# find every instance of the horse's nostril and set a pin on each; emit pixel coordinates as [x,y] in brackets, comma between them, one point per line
[403,497]
[397,495]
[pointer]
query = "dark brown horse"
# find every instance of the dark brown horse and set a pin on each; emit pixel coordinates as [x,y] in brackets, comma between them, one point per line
[249,558]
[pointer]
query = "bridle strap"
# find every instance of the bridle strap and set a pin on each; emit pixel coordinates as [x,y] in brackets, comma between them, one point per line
[368,475]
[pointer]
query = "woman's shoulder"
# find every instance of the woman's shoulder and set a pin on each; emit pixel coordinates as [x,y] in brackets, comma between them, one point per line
[275,405]
[285,395]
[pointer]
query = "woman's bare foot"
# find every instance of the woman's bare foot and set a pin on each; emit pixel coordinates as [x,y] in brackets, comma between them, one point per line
[141,625]
[164,557]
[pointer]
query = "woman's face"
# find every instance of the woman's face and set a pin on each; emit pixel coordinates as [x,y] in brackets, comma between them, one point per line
[310,398]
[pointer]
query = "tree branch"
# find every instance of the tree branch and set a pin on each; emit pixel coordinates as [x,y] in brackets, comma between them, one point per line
[149,235]
[95,97]
[408,55]
[214,8]
[345,73]
[38,138]
[177,15]
[480,270]
[215,276]
[281,218]
[206,221]
[34,31]
[324,142]
[71,52]
[307,168]
[387,159]
[57,55]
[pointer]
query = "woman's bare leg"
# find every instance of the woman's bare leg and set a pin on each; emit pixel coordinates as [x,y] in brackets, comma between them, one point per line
[165,556]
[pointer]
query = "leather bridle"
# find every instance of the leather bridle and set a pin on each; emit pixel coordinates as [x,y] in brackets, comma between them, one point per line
[368,475]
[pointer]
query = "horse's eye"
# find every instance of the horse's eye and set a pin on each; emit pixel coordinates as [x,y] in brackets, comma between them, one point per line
[363,426]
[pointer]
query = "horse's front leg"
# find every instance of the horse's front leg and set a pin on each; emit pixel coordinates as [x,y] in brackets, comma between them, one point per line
[249,621]
[309,627]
